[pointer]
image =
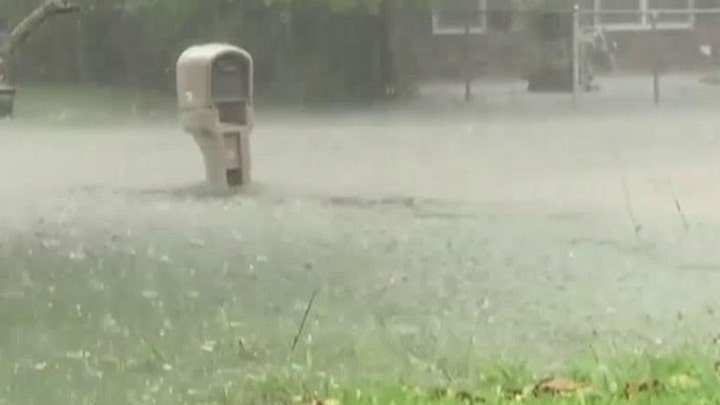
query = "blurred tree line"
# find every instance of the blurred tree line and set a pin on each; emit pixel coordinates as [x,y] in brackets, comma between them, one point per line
[304,50]
[314,50]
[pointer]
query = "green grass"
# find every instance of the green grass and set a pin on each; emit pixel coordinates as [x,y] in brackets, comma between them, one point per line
[688,377]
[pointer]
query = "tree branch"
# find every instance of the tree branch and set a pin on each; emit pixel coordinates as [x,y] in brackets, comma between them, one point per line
[45,11]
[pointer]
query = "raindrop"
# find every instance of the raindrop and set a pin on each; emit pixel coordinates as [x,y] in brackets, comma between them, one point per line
[208,346]
[150,294]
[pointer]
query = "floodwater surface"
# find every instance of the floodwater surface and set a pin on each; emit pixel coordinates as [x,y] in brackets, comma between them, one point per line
[430,238]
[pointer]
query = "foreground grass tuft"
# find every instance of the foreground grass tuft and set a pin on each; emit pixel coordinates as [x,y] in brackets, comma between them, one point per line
[680,378]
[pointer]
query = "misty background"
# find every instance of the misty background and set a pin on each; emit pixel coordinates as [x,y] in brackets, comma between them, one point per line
[341,50]
[441,233]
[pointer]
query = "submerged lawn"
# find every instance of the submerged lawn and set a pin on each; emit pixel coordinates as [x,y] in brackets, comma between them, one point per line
[434,262]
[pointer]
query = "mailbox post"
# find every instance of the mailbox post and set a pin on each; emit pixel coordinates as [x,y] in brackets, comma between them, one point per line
[215,96]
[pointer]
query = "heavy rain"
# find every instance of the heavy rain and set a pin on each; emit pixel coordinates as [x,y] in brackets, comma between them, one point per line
[363,197]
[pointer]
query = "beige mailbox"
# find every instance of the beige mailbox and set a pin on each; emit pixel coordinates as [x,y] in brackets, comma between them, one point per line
[215,96]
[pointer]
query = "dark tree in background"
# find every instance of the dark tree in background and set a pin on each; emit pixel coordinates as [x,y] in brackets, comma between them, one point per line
[304,50]
[12,40]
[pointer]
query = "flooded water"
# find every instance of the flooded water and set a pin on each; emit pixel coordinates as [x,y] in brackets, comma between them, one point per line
[431,234]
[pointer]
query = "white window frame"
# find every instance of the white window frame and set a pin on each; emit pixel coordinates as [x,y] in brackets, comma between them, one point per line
[645,23]
[460,30]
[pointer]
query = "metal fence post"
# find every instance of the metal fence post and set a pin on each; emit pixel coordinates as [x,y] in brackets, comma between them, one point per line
[468,61]
[656,58]
[576,55]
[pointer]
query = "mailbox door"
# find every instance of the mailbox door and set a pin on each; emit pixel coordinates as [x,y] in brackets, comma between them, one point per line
[231,78]
[231,89]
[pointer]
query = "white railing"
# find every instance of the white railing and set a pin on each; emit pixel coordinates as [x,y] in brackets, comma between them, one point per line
[644,18]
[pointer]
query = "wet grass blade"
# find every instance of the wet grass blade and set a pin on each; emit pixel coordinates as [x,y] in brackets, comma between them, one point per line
[301,327]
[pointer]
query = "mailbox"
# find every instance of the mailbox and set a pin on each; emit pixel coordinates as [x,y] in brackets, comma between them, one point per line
[7,92]
[215,97]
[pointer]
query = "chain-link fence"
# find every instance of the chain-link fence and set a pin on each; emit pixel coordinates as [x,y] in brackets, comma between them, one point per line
[310,52]
[575,49]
